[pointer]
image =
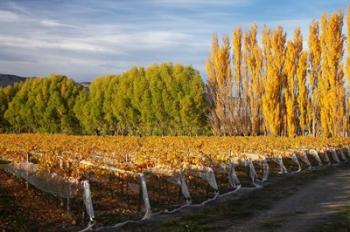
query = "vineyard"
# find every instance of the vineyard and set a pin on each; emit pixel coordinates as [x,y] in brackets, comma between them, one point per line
[110,181]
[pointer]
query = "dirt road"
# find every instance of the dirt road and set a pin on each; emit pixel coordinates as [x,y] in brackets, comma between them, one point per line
[309,209]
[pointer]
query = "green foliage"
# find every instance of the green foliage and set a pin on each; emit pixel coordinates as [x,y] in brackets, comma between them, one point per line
[163,99]
[6,95]
[44,105]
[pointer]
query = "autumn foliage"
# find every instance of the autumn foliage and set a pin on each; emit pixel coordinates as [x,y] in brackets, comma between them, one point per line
[284,88]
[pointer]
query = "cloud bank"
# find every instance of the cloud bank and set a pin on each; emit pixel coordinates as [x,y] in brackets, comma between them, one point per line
[86,38]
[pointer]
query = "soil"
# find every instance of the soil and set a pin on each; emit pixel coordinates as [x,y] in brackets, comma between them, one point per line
[26,209]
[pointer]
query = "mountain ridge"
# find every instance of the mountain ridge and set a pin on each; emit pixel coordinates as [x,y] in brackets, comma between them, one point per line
[9,79]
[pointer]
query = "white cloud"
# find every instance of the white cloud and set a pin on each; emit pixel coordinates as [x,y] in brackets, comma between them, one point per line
[54,23]
[202,2]
[147,39]
[67,44]
[8,16]
[115,43]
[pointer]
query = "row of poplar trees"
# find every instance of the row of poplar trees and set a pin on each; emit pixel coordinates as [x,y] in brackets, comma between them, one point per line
[164,99]
[275,86]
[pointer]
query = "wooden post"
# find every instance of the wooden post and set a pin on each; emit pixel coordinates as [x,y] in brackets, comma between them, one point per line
[27,175]
[68,199]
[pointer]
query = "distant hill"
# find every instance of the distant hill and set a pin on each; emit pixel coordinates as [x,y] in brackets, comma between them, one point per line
[7,79]
[85,84]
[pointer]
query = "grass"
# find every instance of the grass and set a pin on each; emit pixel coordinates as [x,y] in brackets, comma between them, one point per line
[338,223]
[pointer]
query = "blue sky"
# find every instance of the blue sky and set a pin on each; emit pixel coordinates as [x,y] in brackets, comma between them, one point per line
[88,38]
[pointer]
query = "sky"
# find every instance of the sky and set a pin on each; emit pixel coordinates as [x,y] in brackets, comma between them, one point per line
[84,39]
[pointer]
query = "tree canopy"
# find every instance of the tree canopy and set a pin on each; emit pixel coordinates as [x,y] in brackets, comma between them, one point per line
[164,99]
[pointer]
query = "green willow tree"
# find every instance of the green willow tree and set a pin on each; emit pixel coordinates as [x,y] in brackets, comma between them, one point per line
[164,99]
[6,95]
[44,105]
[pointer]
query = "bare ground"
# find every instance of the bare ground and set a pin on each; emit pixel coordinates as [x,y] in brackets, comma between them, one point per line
[23,209]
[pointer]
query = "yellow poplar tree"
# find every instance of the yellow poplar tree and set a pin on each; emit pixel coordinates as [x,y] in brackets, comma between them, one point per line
[348,50]
[209,66]
[211,86]
[348,44]
[302,91]
[220,83]
[242,123]
[254,62]
[293,51]
[331,84]
[314,45]
[267,60]
[275,48]
[237,59]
